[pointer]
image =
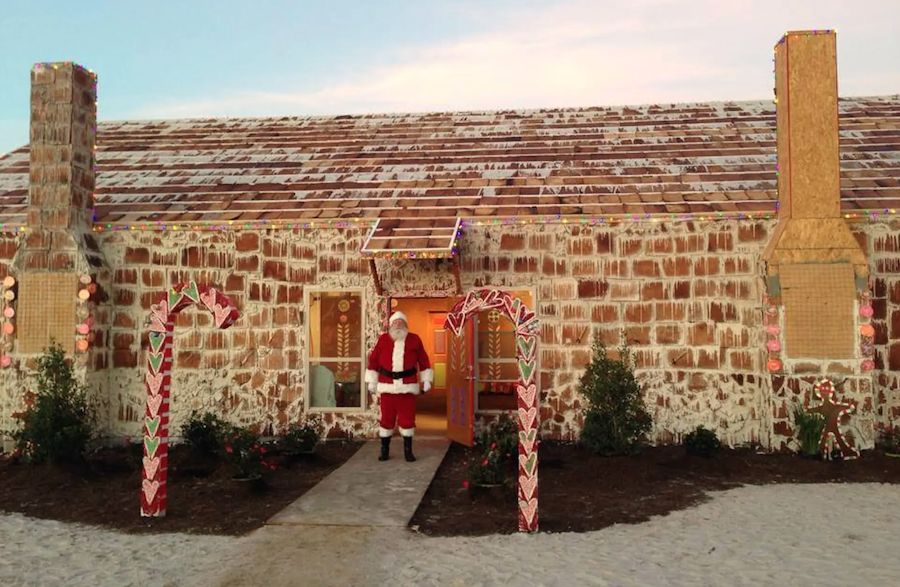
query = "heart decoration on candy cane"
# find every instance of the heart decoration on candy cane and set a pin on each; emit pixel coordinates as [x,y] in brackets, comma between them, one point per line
[151,465]
[526,418]
[153,404]
[154,382]
[209,299]
[528,485]
[527,393]
[528,509]
[151,425]
[150,488]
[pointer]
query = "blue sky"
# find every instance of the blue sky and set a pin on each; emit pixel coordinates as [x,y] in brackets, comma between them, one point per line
[171,59]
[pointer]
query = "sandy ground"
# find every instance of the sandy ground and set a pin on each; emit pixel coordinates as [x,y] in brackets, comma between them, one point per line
[781,535]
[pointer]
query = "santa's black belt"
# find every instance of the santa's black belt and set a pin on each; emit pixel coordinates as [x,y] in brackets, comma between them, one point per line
[397,374]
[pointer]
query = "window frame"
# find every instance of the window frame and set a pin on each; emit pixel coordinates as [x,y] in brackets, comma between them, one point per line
[308,294]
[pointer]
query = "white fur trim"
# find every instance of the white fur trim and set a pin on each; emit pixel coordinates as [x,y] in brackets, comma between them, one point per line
[397,358]
[371,376]
[397,316]
[407,432]
[398,387]
[385,433]
[428,375]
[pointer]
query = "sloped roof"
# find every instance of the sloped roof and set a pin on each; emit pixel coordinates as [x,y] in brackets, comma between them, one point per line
[601,162]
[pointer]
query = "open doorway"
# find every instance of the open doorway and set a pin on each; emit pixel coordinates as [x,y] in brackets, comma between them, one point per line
[426,318]
[495,370]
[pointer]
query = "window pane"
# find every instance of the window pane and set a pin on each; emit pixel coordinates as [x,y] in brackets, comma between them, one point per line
[496,336]
[335,384]
[335,325]
[500,376]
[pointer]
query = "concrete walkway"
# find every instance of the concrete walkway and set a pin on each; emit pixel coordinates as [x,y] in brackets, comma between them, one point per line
[347,531]
[367,492]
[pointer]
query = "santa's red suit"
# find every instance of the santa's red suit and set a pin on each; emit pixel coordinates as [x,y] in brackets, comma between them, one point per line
[394,366]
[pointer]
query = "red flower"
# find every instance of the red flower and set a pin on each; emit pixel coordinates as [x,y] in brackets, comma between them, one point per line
[484,463]
[263,463]
[465,484]
[272,467]
[228,450]
[262,450]
[493,445]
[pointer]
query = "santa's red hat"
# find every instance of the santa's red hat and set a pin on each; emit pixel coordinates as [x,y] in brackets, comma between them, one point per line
[397,316]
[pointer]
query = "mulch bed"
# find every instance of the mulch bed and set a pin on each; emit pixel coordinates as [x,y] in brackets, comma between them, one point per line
[203,497]
[579,491]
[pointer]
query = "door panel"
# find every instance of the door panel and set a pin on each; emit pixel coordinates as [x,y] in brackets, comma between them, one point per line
[461,386]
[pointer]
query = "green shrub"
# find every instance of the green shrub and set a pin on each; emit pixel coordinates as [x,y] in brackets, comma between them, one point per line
[808,427]
[243,450]
[302,437]
[701,442]
[614,414]
[203,433]
[58,425]
[491,468]
[503,435]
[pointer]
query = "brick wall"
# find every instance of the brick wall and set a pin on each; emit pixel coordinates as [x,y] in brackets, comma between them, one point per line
[688,297]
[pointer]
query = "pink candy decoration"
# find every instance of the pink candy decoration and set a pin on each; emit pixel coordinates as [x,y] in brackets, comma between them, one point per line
[773,330]
[773,365]
[83,328]
[5,361]
[9,312]
[868,365]
[866,311]
[773,345]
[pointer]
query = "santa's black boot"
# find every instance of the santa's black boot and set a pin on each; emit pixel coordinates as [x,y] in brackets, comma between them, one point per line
[407,449]
[385,448]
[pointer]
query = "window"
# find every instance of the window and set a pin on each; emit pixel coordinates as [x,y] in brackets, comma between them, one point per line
[335,353]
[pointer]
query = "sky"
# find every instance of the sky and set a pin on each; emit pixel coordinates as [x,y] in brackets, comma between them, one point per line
[201,58]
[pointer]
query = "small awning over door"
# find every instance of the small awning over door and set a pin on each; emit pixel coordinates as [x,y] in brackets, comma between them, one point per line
[397,238]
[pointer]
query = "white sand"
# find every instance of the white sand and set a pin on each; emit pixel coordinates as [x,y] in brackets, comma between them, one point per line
[778,535]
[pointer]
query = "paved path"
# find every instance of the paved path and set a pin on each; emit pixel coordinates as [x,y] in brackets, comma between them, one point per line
[367,492]
[346,531]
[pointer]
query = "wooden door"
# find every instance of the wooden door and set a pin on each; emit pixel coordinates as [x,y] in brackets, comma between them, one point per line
[461,386]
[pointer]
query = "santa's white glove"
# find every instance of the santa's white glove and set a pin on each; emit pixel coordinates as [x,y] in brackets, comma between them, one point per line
[372,387]
[426,386]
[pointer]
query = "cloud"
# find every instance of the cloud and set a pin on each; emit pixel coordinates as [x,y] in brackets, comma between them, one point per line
[568,53]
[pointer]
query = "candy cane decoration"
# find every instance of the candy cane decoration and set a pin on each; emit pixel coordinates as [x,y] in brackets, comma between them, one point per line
[158,380]
[526,324]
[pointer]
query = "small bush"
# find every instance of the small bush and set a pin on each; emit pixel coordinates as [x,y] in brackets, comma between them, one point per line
[808,427]
[302,437]
[58,425]
[203,433]
[614,417]
[246,453]
[503,435]
[701,442]
[490,469]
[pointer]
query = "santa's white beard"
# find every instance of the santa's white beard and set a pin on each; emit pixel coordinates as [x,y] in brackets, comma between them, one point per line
[398,333]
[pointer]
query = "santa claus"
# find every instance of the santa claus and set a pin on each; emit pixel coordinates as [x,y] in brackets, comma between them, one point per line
[393,372]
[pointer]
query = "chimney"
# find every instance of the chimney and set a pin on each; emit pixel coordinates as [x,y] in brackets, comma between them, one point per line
[61,187]
[810,227]
[815,267]
[58,255]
